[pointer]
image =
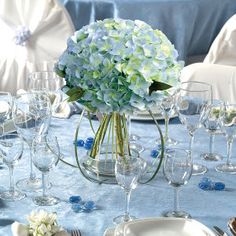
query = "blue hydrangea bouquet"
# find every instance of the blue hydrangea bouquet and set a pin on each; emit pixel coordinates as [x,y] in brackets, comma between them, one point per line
[117,67]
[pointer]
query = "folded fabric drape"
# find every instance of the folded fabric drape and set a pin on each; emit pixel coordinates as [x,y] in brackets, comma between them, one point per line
[31,31]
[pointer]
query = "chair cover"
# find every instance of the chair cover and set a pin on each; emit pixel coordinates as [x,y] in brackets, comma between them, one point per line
[223,49]
[31,31]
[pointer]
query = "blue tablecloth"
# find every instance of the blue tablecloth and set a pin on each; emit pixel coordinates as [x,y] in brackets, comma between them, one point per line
[191,25]
[148,200]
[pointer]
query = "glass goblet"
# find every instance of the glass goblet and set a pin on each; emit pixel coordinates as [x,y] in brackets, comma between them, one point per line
[228,125]
[46,153]
[177,170]
[11,149]
[192,99]
[211,122]
[128,170]
[31,116]
[50,83]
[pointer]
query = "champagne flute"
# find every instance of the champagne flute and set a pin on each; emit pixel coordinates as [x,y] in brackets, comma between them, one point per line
[11,149]
[31,116]
[192,99]
[228,125]
[177,170]
[50,83]
[46,153]
[128,170]
[212,126]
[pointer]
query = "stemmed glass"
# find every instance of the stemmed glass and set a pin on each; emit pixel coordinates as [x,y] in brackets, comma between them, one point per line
[211,122]
[192,99]
[46,153]
[128,170]
[177,171]
[167,106]
[228,125]
[6,102]
[11,149]
[50,83]
[31,116]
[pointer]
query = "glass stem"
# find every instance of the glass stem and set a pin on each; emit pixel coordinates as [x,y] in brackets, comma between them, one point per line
[211,144]
[127,200]
[229,150]
[191,142]
[11,179]
[176,199]
[43,184]
[167,119]
[32,173]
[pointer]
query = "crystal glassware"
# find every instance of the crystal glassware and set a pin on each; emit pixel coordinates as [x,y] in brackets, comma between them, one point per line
[11,149]
[31,116]
[211,122]
[192,99]
[50,83]
[177,170]
[167,107]
[6,102]
[228,125]
[46,153]
[128,170]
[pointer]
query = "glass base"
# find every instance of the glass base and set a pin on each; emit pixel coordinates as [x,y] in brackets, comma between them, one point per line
[211,157]
[226,168]
[29,185]
[177,214]
[12,196]
[137,147]
[133,137]
[168,142]
[45,200]
[199,169]
[122,219]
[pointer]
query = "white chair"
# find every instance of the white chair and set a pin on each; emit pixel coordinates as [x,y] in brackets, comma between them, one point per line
[219,66]
[31,31]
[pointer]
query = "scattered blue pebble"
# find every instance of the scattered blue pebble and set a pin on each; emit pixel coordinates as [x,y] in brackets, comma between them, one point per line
[154,153]
[219,186]
[80,143]
[75,199]
[89,205]
[88,146]
[77,207]
[204,186]
[205,180]
[89,140]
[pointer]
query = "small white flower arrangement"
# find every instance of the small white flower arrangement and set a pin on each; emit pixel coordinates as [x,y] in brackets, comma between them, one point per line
[41,223]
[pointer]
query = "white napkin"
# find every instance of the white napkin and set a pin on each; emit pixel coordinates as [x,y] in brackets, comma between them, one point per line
[19,229]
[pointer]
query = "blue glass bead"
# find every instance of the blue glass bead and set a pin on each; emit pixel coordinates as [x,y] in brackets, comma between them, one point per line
[89,206]
[77,207]
[88,146]
[80,143]
[89,140]
[75,199]
[219,186]
[204,186]
[154,153]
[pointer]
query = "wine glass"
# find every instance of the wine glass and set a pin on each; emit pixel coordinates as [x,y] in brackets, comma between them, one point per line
[167,106]
[128,170]
[31,116]
[50,83]
[6,102]
[177,170]
[11,149]
[228,125]
[46,153]
[192,99]
[211,122]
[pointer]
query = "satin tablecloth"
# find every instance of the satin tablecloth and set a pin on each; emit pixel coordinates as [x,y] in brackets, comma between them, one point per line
[209,207]
[191,25]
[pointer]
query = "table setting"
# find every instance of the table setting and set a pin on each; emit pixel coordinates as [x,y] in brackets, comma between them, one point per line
[75,162]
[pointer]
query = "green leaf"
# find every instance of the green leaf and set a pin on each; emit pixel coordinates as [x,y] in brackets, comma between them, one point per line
[75,94]
[60,72]
[156,85]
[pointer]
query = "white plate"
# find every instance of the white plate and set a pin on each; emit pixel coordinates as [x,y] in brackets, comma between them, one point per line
[160,227]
